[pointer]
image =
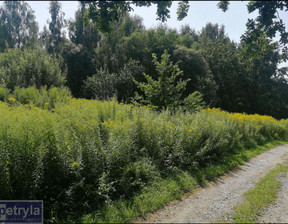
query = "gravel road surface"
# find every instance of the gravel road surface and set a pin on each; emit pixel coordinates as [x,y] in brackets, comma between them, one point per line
[278,211]
[217,199]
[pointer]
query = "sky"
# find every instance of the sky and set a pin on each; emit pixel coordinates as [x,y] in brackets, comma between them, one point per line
[200,13]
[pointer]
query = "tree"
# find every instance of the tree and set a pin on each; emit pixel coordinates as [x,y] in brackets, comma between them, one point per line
[260,59]
[268,22]
[142,44]
[104,13]
[111,50]
[222,56]
[18,27]
[79,66]
[79,53]
[103,84]
[187,36]
[196,69]
[166,91]
[30,67]
[86,34]
[125,85]
[57,23]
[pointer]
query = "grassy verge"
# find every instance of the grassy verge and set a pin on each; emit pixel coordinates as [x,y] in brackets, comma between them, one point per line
[264,193]
[165,190]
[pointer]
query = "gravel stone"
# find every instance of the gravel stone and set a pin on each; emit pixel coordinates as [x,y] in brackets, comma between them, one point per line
[278,211]
[215,200]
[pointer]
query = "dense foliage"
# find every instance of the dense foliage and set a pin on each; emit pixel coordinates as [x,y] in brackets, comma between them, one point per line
[80,155]
[83,154]
[30,67]
[102,58]
[166,91]
[18,27]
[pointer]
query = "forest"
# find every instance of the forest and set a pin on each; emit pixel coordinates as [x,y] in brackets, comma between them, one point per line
[112,120]
[98,64]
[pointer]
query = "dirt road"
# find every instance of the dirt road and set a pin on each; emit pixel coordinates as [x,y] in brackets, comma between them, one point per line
[213,202]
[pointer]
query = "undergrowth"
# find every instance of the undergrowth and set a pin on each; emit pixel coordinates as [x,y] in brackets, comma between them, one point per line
[106,161]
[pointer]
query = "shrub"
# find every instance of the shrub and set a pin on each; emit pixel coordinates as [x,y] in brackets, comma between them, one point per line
[194,102]
[4,93]
[29,67]
[166,91]
[87,153]
[34,97]
[104,85]
[101,85]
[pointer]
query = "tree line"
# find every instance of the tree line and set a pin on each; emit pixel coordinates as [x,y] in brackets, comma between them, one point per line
[98,61]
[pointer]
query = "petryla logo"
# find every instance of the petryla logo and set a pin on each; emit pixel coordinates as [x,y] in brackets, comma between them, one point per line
[2,212]
[21,212]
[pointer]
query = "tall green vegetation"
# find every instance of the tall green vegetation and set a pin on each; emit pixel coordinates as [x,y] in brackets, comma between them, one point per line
[78,53]
[18,27]
[103,14]
[29,67]
[229,75]
[53,38]
[165,92]
[104,85]
[82,155]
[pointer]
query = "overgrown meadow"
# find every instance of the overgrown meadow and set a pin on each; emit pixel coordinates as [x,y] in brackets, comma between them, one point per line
[81,155]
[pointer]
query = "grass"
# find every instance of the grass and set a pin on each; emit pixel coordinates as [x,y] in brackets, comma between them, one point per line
[114,160]
[264,193]
[166,190]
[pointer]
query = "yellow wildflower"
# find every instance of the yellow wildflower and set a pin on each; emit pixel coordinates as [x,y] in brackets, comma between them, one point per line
[11,99]
[46,105]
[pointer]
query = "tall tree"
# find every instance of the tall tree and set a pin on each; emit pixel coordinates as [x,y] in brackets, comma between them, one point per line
[260,59]
[267,22]
[111,49]
[222,56]
[104,13]
[78,54]
[196,69]
[18,27]
[142,44]
[56,25]
[86,34]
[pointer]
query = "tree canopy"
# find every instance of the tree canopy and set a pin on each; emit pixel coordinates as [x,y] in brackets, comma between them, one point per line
[104,13]
[268,22]
[18,27]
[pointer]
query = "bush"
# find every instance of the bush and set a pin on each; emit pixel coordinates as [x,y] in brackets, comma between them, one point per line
[101,85]
[4,93]
[104,85]
[166,91]
[125,86]
[194,102]
[29,67]
[87,153]
[34,97]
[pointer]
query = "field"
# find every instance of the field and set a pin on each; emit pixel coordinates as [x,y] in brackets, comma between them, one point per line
[82,155]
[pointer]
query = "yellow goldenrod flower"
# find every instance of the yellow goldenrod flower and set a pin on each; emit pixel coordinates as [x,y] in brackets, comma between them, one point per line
[11,99]
[46,105]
